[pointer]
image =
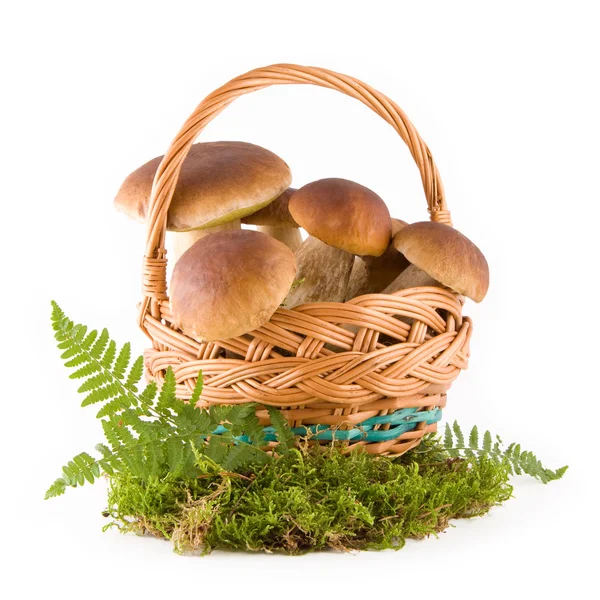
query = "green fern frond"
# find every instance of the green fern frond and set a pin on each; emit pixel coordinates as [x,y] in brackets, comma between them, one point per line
[75,473]
[94,382]
[216,450]
[474,438]
[100,344]
[245,422]
[135,374]
[167,392]
[487,442]
[56,489]
[285,437]
[448,439]
[234,458]
[109,354]
[460,438]
[78,332]
[197,390]
[122,361]
[102,393]
[87,370]
[89,340]
[151,432]
[111,436]
[148,394]
[76,361]
[109,465]
[177,455]
[120,403]
[516,460]
[240,456]
[102,449]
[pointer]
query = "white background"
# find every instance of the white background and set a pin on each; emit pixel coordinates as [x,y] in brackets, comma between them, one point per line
[505,94]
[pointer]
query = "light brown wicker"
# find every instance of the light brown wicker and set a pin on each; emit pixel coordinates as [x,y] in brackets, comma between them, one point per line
[305,361]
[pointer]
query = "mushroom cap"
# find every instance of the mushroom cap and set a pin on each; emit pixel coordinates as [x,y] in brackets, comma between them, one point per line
[397,225]
[343,214]
[229,283]
[274,214]
[218,182]
[446,255]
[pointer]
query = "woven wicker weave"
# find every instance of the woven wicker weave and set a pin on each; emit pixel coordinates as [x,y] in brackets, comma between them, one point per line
[380,382]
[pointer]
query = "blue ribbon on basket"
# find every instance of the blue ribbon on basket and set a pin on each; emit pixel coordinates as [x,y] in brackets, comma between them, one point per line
[400,421]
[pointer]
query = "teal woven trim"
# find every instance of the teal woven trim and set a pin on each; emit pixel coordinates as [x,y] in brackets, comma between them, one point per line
[400,421]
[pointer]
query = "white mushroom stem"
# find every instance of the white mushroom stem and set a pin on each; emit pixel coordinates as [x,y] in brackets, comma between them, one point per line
[182,240]
[359,276]
[323,273]
[411,277]
[290,236]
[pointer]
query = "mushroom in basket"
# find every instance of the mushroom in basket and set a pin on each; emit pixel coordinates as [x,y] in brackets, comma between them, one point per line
[230,283]
[276,220]
[343,219]
[219,183]
[440,255]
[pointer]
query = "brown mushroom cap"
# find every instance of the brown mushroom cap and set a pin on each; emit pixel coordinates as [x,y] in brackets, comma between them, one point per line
[446,255]
[343,214]
[219,182]
[397,225]
[275,214]
[229,283]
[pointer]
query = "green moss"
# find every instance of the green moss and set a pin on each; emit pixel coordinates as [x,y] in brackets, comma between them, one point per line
[312,499]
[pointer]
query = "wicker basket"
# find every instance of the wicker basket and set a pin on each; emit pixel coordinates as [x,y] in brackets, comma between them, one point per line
[380,383]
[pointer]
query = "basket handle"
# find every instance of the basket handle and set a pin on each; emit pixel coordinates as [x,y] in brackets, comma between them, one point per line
[154,284]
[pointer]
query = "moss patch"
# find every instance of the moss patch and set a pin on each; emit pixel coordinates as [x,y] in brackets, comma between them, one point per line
[314,498]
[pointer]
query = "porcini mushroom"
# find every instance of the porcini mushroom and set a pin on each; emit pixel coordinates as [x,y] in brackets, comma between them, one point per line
[276,220]
[372,274]
[343,219]
[439,254]
[219,183]
[230,283]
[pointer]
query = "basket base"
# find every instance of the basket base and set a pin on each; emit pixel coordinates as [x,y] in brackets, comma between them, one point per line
[393,433]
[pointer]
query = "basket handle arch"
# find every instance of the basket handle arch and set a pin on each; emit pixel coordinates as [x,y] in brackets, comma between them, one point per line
[154,286]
